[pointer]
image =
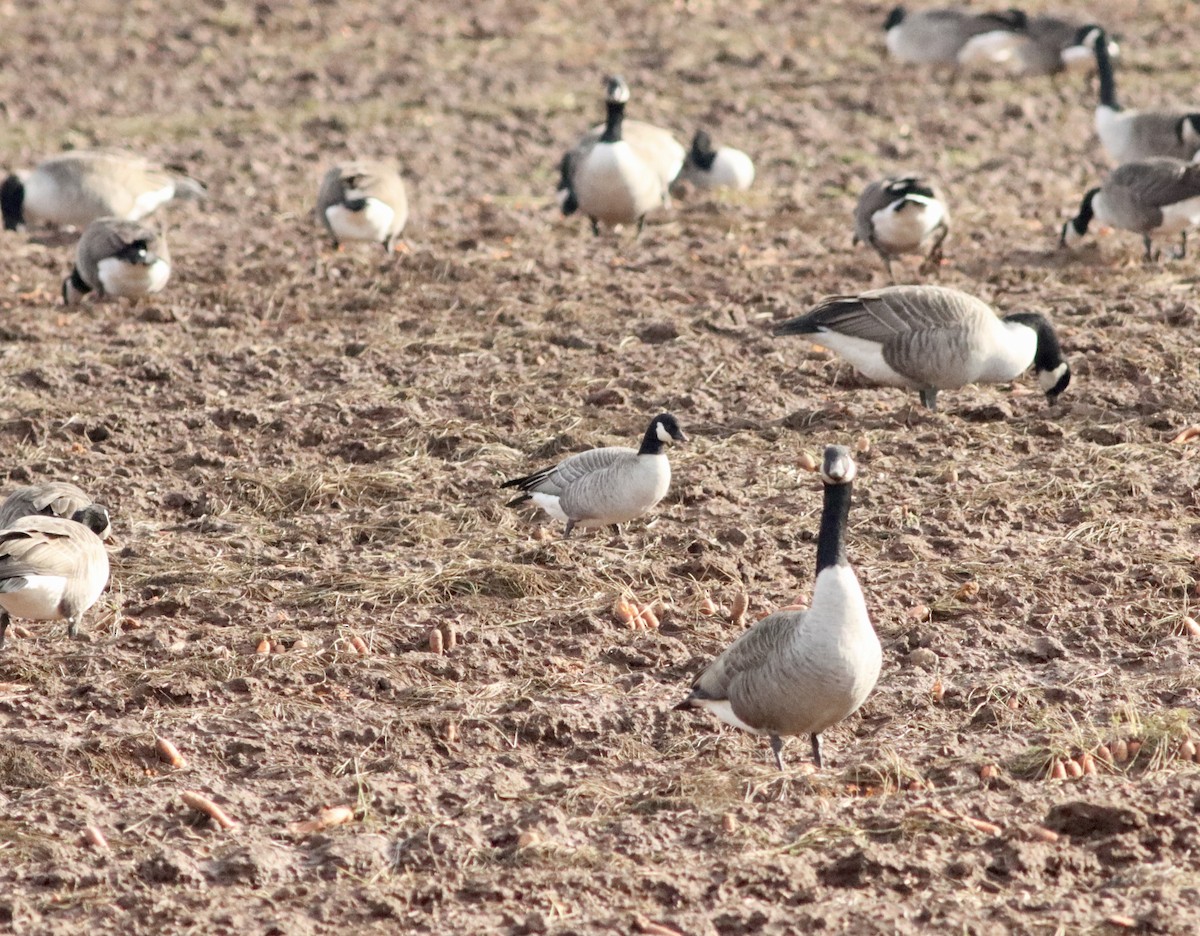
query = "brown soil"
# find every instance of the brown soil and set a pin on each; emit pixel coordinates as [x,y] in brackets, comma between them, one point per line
[304,446]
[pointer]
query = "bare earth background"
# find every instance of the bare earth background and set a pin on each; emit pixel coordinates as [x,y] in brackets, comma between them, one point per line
[304,445]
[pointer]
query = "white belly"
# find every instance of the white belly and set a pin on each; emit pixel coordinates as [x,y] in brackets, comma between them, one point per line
[149,202]
[1180,215]
[118,278]
[991,48]
[45,202]
[724,711]
[731,169]
[615,186]
[39,600]
[550,504]
[373,223]
[902,226]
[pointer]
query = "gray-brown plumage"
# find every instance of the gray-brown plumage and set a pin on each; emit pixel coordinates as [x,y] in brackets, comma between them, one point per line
[52,569]
[938,37]
[128,259]
[901,215]
[52,499]
[1148,197]
[78,187]
[801,672]
[364,200]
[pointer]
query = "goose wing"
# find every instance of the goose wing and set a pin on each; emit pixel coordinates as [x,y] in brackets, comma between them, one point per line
[884,314]
[557,478]
[1158,183]
[33,548]
[60,498]
[746,657]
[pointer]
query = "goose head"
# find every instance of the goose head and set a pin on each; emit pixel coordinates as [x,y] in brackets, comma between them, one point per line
[838,467]
[663,430]
[616,91]
[1188,132]
[95,518]
[1075,229]
[702,153]
[12,202]
[1053,371]
[894,19]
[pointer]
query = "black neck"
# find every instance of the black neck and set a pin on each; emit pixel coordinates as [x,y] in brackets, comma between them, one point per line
[612,128]
[703,155]
[12,202]
[1086,212]
[1048,355]
[78,281]
[831,541]
[651,443]
[1108,85]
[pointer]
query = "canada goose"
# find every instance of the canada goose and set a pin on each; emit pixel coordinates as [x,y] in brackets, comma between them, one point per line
[604,486]
[940,37]
[77,188]
[118,258]
[1048,45]
[52,499]
[722,167]
[52,569]
[1130,135]
[899,216]
[1153,196]
[931,338]
[800,672]
[363,201]
[621,171]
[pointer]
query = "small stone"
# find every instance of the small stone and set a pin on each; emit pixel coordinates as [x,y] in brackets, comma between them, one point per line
[923,658]
[1048,648]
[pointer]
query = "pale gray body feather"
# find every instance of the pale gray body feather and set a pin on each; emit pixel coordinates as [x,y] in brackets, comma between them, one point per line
[935,37]
[56,498]
[606,485]
[37,547]
[105,238]
[1135,194]
[371,179]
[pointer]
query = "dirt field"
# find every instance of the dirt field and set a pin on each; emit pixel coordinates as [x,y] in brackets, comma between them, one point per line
[305,445]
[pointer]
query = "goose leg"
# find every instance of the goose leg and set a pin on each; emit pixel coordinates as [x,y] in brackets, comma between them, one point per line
[595,227]
[816,746]
[1182,251]
[1148,257]
[567,531]
[73,627]
[887,265]
[777,750]
[929,401]
[934,260]
[641,224]
[3,627]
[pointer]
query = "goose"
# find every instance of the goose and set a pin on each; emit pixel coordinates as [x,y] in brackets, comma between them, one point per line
[52,569]
[1152,196]
[118,258]
[899,215]
[931,338]
[801,672]
[74,189]
[1130,135]
[604,486]
[363,201]
[1048,45]
[52,499]
[722,167]
[941,37]
[621,171]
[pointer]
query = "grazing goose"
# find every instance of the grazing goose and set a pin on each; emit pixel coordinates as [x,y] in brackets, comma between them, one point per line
[1048,45]
[931,338]
[118,258]
[604,486]
[899,216]
[363,201]
[621,171]
[53,499]
[941,37]
[52,569]
[1130,135]
[800,672]
[77,188]
[723,167]
[1153,196]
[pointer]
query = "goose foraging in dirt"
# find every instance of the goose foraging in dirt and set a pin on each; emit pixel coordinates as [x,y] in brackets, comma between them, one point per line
[118,258]
[801,672]
[79,187]
[942,37]
[52,569]
[363,201]
[1047,45]
[931,338]
[1132,135]
[52,499]
[1153,196]
[899,216]
[709,167]
[604,486]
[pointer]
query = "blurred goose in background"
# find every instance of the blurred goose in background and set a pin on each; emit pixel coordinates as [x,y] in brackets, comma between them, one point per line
[118,258]
[52,499]
[604,486]
[707,167]
[622,170]
[1047,45]
[899,215]
[363,201]
[1130,135]
[942,37]
[1152,196]
[52,569]
[77,188]
[931,338]
[801,672]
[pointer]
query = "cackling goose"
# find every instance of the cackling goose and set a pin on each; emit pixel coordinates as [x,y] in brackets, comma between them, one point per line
[118,258]
[52,499]
[52,569]
[1153,196]
[363,201]
[899,216]
[604,486]
[941,37]
[1047,45]
[800,672]
[77,188]
[931,338]
[722,167]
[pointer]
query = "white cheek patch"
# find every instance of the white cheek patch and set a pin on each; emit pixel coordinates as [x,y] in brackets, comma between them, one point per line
[1048,380]
[661,431]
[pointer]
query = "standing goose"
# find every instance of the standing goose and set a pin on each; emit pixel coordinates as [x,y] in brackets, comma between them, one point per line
[52,569]
[621,172]
[604,486]
[1130,135]
[53,499]
[722,167]
[77,188]
[118,258]
[800,672]
[941,37]
[899,216]
[363,201]
[1153,196]
[931,338]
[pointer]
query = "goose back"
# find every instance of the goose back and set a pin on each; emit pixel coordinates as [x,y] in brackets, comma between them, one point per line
[363,200]
[119,258]
[50,568]
[54,498]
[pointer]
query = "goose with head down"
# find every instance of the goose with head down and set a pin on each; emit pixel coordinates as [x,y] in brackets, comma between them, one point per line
[900,215]
[51,499]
